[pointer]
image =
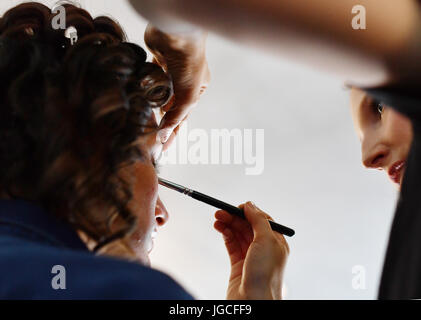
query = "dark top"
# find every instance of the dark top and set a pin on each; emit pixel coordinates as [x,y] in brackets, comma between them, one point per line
[401,278]
[32,242]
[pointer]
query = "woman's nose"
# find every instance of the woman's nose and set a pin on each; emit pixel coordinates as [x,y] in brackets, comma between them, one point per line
[375,159]
[161,213]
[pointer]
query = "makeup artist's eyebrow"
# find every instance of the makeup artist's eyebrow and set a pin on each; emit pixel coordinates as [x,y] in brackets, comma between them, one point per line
[346,87]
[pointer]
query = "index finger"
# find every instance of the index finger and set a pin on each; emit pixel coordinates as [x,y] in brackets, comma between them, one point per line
[258,220]
[172,119]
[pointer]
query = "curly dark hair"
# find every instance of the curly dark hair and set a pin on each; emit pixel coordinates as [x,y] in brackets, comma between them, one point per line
[71,115]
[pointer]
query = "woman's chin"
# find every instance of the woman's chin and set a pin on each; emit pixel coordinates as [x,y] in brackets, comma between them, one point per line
[147,261]
[151,246]
[142,254]
[143,258]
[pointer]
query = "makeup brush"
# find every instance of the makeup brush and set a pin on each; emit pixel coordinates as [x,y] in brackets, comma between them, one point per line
[221,205]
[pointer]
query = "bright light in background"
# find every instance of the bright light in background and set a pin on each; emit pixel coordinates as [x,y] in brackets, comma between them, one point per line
[312,181]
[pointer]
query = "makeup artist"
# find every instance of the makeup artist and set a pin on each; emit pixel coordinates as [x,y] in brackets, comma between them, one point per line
[382,60]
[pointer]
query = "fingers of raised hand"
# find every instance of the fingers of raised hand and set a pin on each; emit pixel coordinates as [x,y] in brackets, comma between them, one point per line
[240,228]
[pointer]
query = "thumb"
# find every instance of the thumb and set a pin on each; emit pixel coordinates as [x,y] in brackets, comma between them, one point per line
[258,220]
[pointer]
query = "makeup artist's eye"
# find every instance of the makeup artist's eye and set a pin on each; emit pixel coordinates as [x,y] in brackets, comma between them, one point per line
[380,107]
[376,107]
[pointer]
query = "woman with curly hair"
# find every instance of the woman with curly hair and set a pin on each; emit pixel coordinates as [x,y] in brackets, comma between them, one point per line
[78,185]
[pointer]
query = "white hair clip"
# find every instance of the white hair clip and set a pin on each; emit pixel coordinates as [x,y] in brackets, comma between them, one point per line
[71,33]
[29,31]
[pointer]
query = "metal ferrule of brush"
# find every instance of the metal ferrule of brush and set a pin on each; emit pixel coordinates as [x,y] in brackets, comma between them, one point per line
[188,192]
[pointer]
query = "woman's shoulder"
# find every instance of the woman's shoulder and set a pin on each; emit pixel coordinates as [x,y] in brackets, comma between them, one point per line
[46,272]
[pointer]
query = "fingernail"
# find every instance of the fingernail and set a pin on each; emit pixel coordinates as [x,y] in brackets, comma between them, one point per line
[252,205]
[164,135]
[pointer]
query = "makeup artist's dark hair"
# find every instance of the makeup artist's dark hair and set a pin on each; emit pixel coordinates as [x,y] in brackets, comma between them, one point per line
[70,115]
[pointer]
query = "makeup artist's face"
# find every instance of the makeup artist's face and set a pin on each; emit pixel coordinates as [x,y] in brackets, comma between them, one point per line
[146,204]
[385,135]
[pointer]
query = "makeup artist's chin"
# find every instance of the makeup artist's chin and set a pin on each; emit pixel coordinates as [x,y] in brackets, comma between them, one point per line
[397,181]
[401,179]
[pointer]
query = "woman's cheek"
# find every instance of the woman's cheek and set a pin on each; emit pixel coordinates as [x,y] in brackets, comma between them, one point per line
[146,194]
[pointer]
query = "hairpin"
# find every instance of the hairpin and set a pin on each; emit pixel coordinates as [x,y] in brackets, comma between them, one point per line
[71,33]
[29,31]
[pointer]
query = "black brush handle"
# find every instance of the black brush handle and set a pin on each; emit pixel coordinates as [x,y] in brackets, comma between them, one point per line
[236,211]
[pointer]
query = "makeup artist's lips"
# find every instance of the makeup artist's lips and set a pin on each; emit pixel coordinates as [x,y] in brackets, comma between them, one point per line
[396,170]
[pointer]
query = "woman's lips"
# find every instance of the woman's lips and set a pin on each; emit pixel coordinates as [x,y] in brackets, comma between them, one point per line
[154,234]
[395,171]
[152,244]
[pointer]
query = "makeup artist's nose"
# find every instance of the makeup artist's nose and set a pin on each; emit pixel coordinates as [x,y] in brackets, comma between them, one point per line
[376,158]
[161,213]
